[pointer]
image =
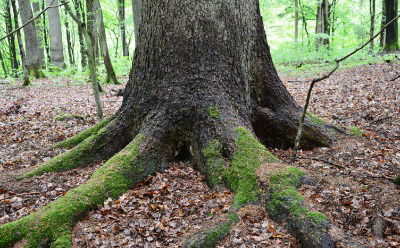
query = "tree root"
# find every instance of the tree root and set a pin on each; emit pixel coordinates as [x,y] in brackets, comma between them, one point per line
[80,137]
[210,236]
[53,223]
[88,145]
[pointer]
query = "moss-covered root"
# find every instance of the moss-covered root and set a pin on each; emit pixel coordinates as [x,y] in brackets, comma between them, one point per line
[211,236]
[53,223]
[80,137]
[84,153]
[287,204]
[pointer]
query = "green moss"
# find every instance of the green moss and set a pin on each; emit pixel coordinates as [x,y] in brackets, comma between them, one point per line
[55,220]
[315,119]
[67,117]
[213,236]
[215,161]
[397,180]
[213,112]
[391,47]
[355,131]
[240,177]
[80,137]
[316,217]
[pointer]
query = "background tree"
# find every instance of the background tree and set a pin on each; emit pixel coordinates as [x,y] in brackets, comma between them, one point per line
[33,55]
[121,18]
[392,32]
[39,31]
[322,23]
[55,33]
[11,39]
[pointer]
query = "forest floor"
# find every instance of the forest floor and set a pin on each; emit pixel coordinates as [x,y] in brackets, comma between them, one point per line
[353,175]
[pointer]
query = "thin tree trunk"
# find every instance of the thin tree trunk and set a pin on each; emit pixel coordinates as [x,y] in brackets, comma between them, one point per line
[322,23]
[296,20]
[383,22]
[45,33]
[121,18]
[137,17]
[55,33]
[33,56]
[11,39]
[36,9]
[372,11]
[69,41]
[392,35]
[79,14]
[26,80]
[111,76]
[3,65]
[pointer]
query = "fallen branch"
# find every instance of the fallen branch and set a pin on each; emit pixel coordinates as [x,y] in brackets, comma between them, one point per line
[32,19]
[316,80]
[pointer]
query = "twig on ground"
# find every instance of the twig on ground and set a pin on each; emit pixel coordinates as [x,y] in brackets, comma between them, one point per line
[316,80]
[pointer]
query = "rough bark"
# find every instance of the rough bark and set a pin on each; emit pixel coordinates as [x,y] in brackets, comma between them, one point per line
[136,10]
[391,36]
[33,55]
[383,22]
[55,33]
[202,84]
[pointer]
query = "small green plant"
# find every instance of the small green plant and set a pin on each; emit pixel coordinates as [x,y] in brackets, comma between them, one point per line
[355,131]
[213,112]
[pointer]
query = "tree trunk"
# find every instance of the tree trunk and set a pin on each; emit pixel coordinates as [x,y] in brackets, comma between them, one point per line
[111,76]
[202,86]
[11,39]
[36,9]
[121,18]
[33,55]
[55,33]
[78,11]
[383,22]
[136,10]
[45,33]
[70,40]
[3,65]
[26,80]
[392,35]
[322,23]
[296,20]
[372,11]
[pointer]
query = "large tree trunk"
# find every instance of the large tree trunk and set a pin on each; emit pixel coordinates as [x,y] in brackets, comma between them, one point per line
[202,86]
[33,55]
[55,33]
[392,35]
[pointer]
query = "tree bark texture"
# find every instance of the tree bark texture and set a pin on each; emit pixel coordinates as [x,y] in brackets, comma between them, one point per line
[136,10]
[55,34]
[33,54]
[392,35]
[372,11]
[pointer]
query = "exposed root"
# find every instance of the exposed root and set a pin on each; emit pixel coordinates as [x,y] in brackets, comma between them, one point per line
[287,204]
[53,223]
[280,129]
[210,236]
[80,137]
[87,151]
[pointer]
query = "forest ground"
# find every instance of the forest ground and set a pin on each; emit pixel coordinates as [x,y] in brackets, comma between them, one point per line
[353,176]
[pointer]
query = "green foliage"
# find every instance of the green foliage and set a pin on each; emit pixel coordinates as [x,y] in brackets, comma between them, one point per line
[315,119]
[213,112]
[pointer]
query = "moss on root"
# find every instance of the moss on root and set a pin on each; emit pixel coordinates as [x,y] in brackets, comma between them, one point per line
[240,177]
[80,137]
[84,153]
[210,238]
[213,112]
[54,222]
[286,203]
[355,131]
[315,119]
